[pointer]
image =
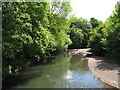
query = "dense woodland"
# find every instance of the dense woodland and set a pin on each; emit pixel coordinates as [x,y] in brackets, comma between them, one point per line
[40,29]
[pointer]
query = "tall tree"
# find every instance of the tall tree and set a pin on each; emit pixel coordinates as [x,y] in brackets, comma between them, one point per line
[31,29]
[113,39]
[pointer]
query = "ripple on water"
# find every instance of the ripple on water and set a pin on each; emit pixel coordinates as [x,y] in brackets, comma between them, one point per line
[67,71]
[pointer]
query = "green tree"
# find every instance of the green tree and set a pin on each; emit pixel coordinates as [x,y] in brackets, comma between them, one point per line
[113,39]
[59,24]
[32,29]
[86,28]
[15,29]
[97,38]
[76,36]
[94,22]
[105,38]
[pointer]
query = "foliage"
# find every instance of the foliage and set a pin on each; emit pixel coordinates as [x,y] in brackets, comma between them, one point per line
[94,22]
[113,39]
[42,28]
[76,36]
[96,39]
[32,29]
[85,28]
[105,38]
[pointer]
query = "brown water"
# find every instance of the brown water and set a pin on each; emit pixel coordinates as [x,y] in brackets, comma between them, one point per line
[64,71]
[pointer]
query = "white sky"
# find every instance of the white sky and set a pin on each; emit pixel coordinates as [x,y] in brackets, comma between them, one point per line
[99,9]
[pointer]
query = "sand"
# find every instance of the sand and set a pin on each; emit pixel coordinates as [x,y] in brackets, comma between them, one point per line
[106,72]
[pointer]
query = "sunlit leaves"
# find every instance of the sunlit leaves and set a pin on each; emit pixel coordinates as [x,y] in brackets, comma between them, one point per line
[106,37]
[33,28]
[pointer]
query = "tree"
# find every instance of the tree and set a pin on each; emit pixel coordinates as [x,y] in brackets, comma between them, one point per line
[94,22]
[96,39]
[113,39]
[85,27]
[76,36]
[32,29]
[106,37]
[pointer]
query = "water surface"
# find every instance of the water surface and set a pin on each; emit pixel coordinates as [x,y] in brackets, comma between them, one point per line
[63,71]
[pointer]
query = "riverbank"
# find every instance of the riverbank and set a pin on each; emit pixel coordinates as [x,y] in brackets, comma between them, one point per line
[84,52]
[106,72]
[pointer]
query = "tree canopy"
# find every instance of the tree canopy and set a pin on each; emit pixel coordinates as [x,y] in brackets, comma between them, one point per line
[40,29]
[106,37]
[33,28]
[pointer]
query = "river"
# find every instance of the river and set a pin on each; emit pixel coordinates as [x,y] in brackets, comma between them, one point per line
[62,71]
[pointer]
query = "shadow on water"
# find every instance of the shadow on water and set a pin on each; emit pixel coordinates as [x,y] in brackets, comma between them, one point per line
[20,79]
[60,71]
[24,77]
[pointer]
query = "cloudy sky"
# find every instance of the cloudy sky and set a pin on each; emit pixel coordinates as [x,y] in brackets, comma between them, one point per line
[100,9]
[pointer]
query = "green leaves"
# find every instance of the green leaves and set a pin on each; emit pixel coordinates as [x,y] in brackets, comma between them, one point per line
[94,22]
[76,36]
[80,29]
[105,38]
[97,39]
[33,28]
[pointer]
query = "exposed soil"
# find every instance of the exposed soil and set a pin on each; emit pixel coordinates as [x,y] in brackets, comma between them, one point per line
[84,52]
[107,72]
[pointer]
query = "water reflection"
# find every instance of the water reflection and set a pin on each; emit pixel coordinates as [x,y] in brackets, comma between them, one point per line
[65,71]
[77,61]
[68,75]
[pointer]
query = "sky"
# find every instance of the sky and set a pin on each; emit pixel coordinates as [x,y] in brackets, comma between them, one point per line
[99,9]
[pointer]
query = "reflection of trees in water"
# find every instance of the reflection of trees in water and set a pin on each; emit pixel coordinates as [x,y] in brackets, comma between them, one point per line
[57,68]
[77,62]
[60,66]
[23,78]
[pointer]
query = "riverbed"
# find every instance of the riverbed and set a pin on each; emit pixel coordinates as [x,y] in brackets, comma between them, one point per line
[61,71]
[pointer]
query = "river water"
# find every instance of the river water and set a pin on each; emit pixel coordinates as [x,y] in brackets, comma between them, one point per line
[62,71]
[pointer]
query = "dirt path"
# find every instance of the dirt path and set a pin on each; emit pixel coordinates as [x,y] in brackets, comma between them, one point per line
[108,73]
